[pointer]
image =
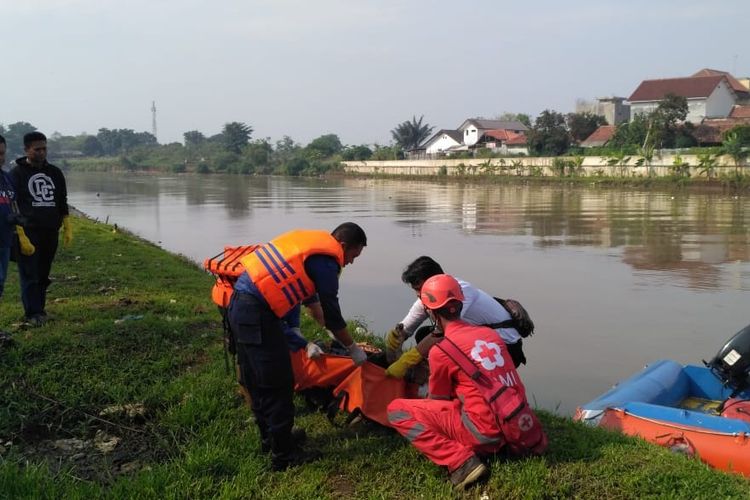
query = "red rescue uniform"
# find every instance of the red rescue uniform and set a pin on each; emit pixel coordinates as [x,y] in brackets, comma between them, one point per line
[456,422]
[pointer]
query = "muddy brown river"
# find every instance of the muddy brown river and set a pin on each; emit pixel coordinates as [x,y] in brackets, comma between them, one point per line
[613,278]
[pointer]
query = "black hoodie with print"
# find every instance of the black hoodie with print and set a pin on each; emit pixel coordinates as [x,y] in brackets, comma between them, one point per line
[41,194]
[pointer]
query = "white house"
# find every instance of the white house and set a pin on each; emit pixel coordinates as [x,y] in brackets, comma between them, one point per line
[442,141]
[473,129]
[707,96]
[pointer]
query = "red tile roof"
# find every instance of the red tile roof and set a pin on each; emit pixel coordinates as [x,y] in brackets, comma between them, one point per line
[500,135]
[506,136]
[740,112]
[733,82]
[711,130]
[709,133]
[518,140]
[655,90]
[600,136]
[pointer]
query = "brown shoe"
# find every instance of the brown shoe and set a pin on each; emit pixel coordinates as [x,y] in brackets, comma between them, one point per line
[470,472]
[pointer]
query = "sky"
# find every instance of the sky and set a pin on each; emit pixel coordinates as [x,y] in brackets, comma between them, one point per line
[355,68]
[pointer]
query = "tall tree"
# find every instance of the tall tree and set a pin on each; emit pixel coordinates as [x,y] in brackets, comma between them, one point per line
[110,141]
[193,138]
[410,134]
[549,135]
[361,152]
[582,125]
[236,135]
[325,146]
[732,145]
[259,152]
[663,121]
[632,133]
[14,138]
[92,146]
[515,117]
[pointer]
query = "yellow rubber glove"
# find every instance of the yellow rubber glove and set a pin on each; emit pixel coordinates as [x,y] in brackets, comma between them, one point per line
[67,231]
[393,341]
[402,364]
[27,247]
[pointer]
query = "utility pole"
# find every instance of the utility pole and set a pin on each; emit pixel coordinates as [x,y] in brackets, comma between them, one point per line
[153,118]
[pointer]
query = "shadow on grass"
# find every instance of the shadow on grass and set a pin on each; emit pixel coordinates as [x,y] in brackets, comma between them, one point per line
[569,441]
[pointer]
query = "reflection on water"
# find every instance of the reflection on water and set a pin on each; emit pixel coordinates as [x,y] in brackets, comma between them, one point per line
[613,278]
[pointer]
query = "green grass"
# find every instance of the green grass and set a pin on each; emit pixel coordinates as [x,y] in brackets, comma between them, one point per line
[197,440]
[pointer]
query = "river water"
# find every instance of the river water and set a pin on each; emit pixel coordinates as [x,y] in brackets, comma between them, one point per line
[613,278]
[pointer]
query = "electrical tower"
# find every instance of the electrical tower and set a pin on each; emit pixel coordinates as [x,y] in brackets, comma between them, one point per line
[153,118]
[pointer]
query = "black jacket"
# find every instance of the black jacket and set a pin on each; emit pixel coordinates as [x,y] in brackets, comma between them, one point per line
[41,194]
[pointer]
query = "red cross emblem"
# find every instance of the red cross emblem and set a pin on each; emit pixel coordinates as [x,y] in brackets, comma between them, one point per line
[525,422]
[488,354]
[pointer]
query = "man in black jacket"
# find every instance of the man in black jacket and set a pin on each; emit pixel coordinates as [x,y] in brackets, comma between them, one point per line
[43,202]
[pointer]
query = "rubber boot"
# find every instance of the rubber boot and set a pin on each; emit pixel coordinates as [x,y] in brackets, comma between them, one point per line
[299,436]
[286,453]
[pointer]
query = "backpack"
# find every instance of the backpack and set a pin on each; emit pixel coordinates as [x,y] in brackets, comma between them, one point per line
[519,424]
[226,267]
[520,319]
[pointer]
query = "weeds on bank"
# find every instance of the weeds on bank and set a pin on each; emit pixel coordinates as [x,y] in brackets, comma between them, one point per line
[135,326]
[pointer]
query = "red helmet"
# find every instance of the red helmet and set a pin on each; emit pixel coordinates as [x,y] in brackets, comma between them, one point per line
[440,289]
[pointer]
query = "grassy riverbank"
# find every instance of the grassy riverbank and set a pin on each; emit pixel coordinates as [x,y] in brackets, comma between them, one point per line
[133,325]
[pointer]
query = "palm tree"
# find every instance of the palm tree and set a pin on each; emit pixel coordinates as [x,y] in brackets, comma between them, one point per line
[410,134]
[236,135]
[733,147]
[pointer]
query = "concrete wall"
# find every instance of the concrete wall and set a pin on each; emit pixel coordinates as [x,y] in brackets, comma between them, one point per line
[472,137]
[531,166]
[696,109]
[720,102]
[613,109]
[440,144]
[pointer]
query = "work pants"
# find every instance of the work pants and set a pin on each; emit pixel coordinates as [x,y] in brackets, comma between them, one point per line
[265,370]
[34,270]
[437,430]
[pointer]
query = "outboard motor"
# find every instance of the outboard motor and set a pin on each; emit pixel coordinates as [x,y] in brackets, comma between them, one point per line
[732,363]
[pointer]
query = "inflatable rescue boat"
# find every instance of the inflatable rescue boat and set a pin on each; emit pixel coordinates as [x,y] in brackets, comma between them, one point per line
[701,411]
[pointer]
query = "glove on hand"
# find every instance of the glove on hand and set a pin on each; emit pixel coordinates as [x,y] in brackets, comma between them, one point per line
[27,248]
[393,342]
[313,350]
[357,354]
[395,338]
[407,360]
[67,231]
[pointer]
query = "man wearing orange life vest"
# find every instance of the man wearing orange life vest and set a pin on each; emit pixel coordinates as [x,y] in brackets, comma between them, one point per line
[455,423]
[278,277]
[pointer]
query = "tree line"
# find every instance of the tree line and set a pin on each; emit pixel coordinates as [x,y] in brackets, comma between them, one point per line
[234,150]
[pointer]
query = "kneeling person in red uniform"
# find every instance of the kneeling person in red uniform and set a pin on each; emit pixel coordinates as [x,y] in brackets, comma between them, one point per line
[457,423]
[278,277]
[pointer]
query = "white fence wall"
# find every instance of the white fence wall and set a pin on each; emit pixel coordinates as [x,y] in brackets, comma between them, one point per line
[528,166]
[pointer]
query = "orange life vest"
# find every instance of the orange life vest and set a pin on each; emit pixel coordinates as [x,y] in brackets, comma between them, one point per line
[227,268]
[277,268]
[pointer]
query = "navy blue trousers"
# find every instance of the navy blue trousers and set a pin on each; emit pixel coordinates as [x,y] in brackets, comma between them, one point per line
[265,369]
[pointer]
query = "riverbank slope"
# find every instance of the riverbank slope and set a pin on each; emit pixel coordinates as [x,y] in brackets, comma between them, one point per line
[124,394]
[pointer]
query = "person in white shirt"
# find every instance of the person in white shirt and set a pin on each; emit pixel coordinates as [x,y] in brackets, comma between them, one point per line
[479,308]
